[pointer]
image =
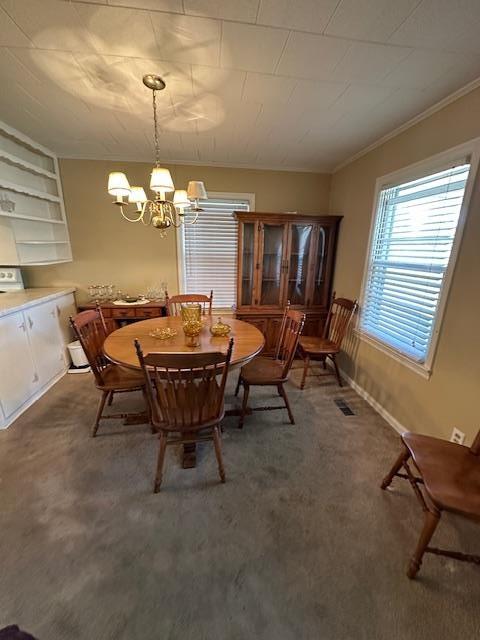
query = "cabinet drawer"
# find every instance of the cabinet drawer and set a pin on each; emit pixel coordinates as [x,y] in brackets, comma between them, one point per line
[148,312]
[123,313]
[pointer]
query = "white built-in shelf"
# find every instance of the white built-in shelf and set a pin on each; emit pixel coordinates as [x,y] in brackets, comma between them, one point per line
[34,193]
[42,241]
[35,232]
[35,263]
[24,164]
[15,216]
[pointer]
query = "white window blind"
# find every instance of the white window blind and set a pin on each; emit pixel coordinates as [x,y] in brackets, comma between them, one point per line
[411,246]
[210,251]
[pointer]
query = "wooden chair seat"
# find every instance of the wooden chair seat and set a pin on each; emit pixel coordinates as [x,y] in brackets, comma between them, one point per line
[90,328]
[450,473]
[116,378]
[274,372]
[186,392]
[262,370]
[328,345]
[448,480]
[317,346]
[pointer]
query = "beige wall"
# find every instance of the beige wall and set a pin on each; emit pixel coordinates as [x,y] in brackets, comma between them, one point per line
[449,397]
[107,249]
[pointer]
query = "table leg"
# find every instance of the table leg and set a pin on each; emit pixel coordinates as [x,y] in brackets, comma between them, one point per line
[137,418]
[189,457]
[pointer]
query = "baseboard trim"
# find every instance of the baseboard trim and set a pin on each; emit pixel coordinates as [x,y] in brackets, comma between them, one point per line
[393,422]
[4,424]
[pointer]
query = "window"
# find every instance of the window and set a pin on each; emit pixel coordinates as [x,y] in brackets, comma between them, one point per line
[208,249]
[410,259]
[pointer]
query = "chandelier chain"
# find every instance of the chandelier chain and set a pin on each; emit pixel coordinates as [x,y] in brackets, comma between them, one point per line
[155,129]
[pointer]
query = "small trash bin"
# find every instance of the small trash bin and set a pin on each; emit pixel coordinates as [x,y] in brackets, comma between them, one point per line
[77,354]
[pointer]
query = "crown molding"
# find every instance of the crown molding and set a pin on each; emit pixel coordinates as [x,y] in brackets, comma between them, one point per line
[198,163]
[438,106]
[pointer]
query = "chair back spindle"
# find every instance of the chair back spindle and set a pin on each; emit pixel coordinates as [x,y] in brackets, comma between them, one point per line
[185,390]
[290,330]
[339,316]
[173,304]
[90,329]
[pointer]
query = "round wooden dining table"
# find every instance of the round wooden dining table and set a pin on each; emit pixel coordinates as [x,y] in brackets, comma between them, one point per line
[248,341]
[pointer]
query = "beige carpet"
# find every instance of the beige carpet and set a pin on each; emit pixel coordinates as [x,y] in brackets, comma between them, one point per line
[299,544]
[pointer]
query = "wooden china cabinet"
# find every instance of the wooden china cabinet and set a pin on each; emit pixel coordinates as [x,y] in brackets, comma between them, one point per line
[284,257]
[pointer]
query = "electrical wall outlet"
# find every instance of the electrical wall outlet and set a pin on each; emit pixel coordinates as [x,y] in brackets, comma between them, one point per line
[457,436]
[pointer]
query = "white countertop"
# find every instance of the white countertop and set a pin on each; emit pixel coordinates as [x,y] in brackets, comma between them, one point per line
[13,301]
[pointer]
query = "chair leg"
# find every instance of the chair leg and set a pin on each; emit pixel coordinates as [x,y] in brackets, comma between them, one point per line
[399,462]
[337,372]
[431,521]
[239,382]
[324,362]
[287,404]
[306,365]
[149,411]
[218,453]
[246,391]
[161,458]
[101,406]
[110,398]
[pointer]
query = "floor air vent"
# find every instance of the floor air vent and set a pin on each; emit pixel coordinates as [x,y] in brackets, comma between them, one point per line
[343,406]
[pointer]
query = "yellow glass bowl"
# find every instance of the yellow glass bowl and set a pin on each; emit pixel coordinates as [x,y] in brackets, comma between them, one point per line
[163,334]
[192,328]
[220,329]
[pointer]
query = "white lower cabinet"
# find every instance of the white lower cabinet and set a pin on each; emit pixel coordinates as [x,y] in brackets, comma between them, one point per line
[18,375]
[33,353]
[44,334]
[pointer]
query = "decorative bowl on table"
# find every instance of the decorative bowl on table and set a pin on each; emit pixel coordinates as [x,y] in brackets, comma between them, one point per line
[191,329]
[131,299]
[220,329]
[163,334]
[191,311]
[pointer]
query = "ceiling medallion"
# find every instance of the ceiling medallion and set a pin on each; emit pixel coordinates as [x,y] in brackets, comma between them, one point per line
[159,212]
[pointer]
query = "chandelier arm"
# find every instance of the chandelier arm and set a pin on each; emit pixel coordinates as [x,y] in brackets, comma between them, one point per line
[175,220]
[191,221]
[137,219]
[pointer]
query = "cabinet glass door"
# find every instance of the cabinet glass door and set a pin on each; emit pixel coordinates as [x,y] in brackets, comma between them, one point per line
[320,286]
[300,245]
[248,265]
[273,267]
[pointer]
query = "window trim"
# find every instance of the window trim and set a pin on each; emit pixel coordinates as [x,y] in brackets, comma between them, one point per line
[181,285]
[469,150]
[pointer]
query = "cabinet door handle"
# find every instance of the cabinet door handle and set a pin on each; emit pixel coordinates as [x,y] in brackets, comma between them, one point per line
[35,377]
[30,322]
[22,326]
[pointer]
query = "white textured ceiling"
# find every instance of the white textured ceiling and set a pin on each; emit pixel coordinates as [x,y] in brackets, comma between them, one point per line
[262,83]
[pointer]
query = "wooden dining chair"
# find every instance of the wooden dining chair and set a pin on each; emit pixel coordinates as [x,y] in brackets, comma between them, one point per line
[310,348]
[173,304]
[91,330]
[186,396]
[274,372]
[450,476]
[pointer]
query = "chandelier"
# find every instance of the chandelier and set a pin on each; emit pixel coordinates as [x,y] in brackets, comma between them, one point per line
[160,212]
